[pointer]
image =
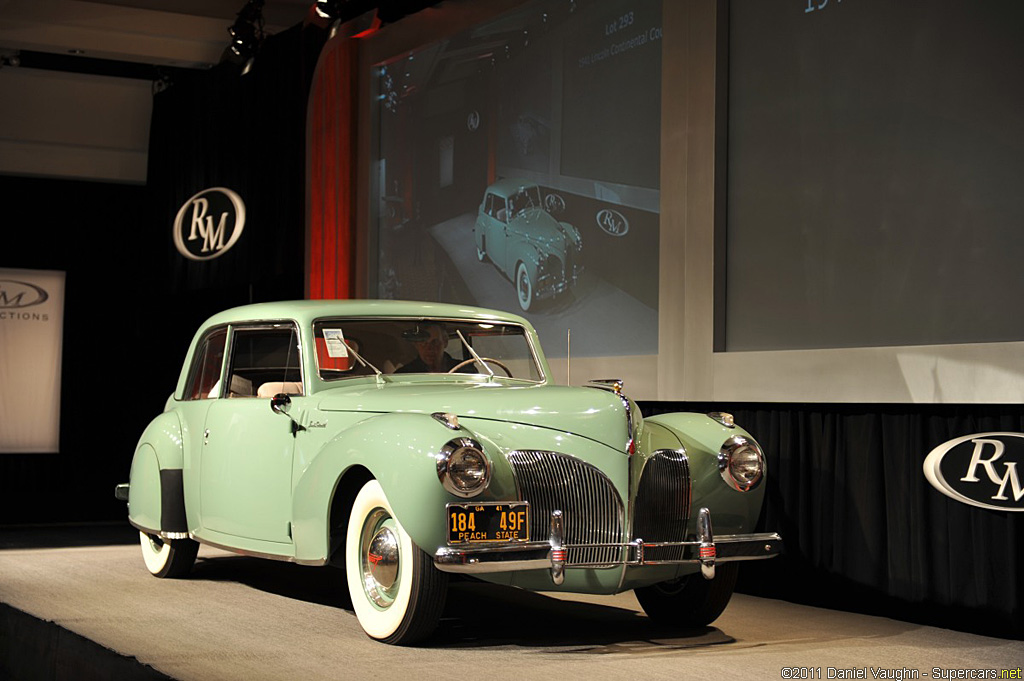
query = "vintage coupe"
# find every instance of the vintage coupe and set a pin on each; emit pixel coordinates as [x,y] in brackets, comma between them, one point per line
[537,252]
[298,432]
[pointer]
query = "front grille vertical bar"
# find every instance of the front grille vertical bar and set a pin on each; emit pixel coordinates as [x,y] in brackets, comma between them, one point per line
[591,507]
[663,499]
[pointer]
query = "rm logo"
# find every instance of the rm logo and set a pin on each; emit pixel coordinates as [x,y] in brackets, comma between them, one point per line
[209,224]
[980,470]
[21,294]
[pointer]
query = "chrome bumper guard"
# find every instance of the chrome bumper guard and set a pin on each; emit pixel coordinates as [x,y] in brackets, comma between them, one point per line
[706,550]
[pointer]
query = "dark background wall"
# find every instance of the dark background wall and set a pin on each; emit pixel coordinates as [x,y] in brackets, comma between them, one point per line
[92,231]
[132,301]
[863,528]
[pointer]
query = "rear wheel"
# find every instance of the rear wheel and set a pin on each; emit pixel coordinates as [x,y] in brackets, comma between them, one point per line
[168,557]
[396,591]
[691,600]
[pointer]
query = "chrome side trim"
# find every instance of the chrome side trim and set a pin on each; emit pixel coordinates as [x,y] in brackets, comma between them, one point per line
[257,554]
[158,533]
[615,385]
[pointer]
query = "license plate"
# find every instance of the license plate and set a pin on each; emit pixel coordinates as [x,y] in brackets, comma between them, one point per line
[488,522]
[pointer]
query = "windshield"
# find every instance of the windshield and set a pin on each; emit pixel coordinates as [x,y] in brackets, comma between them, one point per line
[526,197]
[422,346]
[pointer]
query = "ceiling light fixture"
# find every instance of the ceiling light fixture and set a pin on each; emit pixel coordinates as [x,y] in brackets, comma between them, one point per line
[246,36]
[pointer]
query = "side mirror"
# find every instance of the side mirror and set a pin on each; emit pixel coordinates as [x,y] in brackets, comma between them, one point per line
[282,404]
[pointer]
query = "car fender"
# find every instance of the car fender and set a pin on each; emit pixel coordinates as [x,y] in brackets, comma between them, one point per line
[156,498]
[399,450]
[518,251]
[702,437]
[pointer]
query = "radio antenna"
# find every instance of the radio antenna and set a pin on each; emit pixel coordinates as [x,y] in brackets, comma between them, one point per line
[568,344]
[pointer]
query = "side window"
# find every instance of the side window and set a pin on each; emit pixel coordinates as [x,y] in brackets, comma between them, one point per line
[265,361]
[206,365]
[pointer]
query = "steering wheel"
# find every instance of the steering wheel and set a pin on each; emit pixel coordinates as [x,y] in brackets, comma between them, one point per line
[508,372]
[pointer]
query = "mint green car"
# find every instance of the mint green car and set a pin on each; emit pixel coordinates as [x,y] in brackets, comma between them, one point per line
[407,442]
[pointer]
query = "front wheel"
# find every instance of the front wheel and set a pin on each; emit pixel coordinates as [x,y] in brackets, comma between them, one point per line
[524,287]
[396,591]
[168,557]
[689,601]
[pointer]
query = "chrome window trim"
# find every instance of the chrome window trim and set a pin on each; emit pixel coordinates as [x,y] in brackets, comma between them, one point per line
[200,346]
[263,324]
[534,355]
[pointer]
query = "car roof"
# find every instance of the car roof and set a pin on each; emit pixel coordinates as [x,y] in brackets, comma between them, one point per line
[305,311]
[509,186]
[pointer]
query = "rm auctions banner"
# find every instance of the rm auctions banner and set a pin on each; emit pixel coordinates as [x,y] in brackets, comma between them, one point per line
[31,327]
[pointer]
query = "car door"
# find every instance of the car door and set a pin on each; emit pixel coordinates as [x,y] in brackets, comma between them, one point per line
[246,460]
[491,222]
[499,233]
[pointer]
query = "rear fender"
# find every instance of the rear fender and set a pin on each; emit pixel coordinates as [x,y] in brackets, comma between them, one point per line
[156,500]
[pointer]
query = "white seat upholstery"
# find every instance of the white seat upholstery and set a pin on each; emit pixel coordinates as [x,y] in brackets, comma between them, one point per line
[276,387]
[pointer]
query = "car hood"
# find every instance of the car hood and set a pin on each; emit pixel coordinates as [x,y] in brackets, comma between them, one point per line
[537,225]
[588,412]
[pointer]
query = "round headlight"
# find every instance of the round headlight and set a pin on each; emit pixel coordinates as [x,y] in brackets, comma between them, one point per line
[741,463]
[463,468]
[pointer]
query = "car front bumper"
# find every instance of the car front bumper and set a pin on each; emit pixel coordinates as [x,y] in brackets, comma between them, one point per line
[705,550]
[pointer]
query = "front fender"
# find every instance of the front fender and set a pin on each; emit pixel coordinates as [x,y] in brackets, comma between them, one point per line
[733,512]
[399,450]
[523,251]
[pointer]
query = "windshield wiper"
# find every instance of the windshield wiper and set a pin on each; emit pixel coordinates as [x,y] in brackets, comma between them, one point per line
[473,352]
[381,378]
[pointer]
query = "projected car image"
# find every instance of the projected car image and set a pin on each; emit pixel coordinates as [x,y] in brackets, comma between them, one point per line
[406,442]
[540,254]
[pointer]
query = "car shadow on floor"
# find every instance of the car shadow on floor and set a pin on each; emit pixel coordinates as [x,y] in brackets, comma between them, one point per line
[478,614]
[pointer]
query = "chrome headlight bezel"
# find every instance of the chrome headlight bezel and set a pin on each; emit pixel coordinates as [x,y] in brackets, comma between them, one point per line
[452,462]
[741,463]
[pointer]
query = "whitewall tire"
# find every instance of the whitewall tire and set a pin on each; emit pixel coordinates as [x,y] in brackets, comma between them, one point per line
[396,591]
[168,557]
[524,287]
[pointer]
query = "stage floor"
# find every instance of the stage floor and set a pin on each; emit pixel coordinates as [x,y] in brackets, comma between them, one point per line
[248,619]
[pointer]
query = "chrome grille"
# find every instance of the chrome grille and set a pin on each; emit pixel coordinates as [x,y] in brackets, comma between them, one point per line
[589,503]
[663,503]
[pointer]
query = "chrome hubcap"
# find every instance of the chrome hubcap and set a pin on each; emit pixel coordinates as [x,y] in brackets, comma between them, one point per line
[383,557]
[379,557]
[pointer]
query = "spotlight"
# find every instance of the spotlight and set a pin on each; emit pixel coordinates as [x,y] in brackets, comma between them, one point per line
[330,9]
[246,35]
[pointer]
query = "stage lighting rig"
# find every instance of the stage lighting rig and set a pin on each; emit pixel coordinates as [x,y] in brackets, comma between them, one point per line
[246,35]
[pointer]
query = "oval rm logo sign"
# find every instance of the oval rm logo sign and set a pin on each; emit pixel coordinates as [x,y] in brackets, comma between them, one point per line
[613,222]
[14,294]
[209,224]
[981,470]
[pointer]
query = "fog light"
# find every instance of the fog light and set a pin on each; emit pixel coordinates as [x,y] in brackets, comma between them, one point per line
[463,468]
[741,463]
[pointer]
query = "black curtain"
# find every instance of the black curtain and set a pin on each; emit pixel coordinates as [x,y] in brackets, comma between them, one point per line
[863,528]
[247,133]
[91,231]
